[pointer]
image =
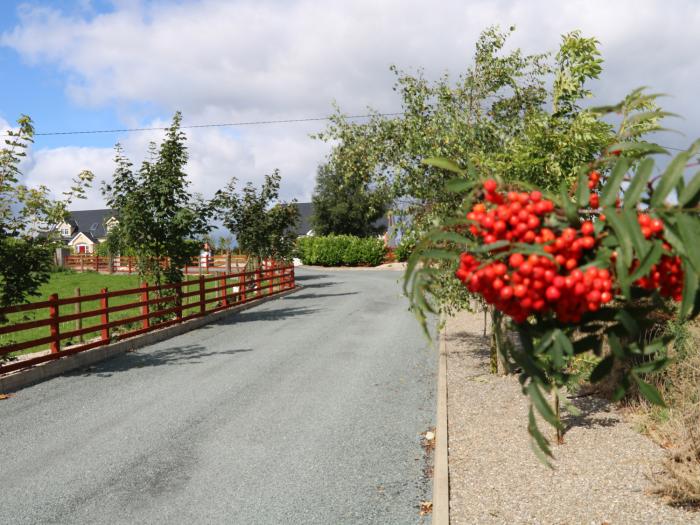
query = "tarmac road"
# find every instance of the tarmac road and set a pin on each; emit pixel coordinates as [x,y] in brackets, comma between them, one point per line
[306,409]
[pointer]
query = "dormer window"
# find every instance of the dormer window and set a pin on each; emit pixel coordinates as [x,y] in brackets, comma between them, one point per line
[65,232]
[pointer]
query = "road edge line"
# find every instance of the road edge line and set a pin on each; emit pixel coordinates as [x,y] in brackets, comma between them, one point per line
[441,479]
[44,371]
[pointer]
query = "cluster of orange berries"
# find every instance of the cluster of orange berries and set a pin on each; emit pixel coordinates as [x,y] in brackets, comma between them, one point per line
[667,275]
[533,283]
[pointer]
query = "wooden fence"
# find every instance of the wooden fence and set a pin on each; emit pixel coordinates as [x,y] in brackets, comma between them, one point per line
[122,264]
[154,307]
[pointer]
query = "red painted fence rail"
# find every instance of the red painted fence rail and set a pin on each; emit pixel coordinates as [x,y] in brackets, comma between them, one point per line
[158,307]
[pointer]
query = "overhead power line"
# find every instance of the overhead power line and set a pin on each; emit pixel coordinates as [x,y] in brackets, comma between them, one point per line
[219,125]
[227,125]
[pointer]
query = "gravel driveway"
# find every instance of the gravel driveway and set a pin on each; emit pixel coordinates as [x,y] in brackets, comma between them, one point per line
[600,471]
[306,409]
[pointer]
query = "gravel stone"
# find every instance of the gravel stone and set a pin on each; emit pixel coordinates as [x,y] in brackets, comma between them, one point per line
[600,473]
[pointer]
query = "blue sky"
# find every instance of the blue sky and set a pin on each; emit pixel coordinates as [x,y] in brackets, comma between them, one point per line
[38,90]
[98,64]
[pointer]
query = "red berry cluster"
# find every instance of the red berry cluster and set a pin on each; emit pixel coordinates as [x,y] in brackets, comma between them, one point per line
[533,284]
[593,181]
[667,275]
[650,227]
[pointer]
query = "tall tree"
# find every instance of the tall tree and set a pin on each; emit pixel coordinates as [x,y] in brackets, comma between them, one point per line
[264,226]
[510,115]
[346,204]
[158,216]
[28,217]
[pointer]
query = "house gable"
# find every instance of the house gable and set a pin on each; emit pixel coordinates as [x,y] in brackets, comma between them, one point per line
[82,238]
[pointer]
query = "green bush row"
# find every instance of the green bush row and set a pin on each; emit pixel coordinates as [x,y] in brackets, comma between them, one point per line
[341,250]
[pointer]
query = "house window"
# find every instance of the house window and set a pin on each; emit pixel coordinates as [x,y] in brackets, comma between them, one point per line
[65,232]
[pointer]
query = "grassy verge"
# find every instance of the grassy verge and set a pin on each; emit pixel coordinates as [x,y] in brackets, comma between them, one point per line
[677,426]
[65,284]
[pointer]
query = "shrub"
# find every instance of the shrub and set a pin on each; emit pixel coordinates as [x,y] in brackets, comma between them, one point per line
[405,248]
[341,250]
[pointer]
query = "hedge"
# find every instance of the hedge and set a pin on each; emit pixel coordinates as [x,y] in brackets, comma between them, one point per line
[341,250]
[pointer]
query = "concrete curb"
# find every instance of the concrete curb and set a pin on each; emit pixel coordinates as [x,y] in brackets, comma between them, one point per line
[441,479]
[23,378]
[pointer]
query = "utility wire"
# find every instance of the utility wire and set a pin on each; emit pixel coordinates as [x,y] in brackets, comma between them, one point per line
[222,125]
[230,124]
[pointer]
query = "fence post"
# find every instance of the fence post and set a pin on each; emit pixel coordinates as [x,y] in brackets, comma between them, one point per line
[258,282]
[228,261]
[104,304]
[224,292]
[144,307]
[178,301]
[97,262]
[82,263]
[54,326]
[110,263]
[202,294]
[79,321]
[128,261]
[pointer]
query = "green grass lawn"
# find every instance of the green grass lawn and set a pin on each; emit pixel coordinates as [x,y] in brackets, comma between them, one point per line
[65,284]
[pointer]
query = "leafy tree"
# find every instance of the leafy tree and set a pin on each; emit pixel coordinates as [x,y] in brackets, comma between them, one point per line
[264,227]
[28,217]
[587,266]
[344,204]
[158,217]
[504,117]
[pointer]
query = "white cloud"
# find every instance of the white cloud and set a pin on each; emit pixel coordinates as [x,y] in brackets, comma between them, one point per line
[224,61]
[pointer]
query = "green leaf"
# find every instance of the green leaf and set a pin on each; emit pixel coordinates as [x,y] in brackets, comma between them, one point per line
[648,391]
[641,245]
[583,193]
[458,185]
[669,179]
[624,237]
[689,232]
[542,405]
[490,247]
[540,445]
[626,320]
[449,236]
[655,114]
[652,366]
[650,259]
[638,184]
[623,278]
[570,209]
[545,342]
[564,342]
[673,237]
[443,163]
[616,346]
[440,254]
[691,192]
[602,369]
[639,147]
[690,288]
[612,185]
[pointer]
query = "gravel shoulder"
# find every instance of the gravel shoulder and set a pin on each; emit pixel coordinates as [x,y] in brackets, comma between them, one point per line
[600,471]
